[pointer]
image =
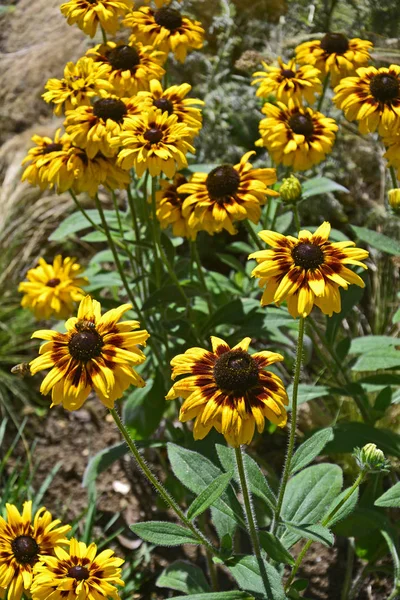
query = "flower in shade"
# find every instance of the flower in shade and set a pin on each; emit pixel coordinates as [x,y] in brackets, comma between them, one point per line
[80,574]
[130,67]
[228,389]
[288,81]
[227,194]
[373,98]
[22,539]
[173,101]
[335,54]
[154,141]
[65,167]
[167,29]
[306,270]
[81,82]
[52,289]
[88,14]
[296,137]
[96,352]
[169,207]
[93,127]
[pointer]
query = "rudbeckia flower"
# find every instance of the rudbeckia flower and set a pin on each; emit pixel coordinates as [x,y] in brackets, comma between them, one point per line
[228,389]
[288,82]
[169,207]
[130,67]
[296,137]
[80,574]
[22,539]
[372,98]
[227,194]
[167,29]
[52,289]
[96,352]
[335,54]
[306,270]
[88,14]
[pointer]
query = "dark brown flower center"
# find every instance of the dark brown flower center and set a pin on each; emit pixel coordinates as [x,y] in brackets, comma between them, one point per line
[124,57]
[53,282]
[384,87]
[301,124]
[288,73]
[25,549]
[168,17]
[153,135]
[110,108]
[78,572]
[165,105]
[223,181]
[85,344]
[52,148]
[335,43]
[236,372]
[307,255]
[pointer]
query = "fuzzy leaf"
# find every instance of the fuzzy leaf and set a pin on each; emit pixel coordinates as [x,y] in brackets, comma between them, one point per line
[310,449]
[162,533]
[209,495]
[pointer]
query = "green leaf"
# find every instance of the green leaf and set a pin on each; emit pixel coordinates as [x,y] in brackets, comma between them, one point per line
[144,408]
[370,343]
[381,358]
[202,167]
[246,571]
[257,483]
[183,577]
[275,549]
[308,495]
[347,508]
[165,295]
[320,185]
[391,498]
[217,596]
[310,449]
[316,532]
[101,461]
[232,262]
[377,240]
[209,495]
[104,280]
[283,222]
[162,533]
[346,436]
[306,393]
[349,299]
[77,222]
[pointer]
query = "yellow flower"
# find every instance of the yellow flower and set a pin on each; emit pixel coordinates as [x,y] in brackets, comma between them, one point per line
[373,98]
[130,67]
[66,167]
[160,3]
[154,141]
[82,81]
[306,270]
[392,154]
[95,352]
[394,199]
[335,54]
[296,137]
[227,194]
[228,389]
[22,539]
[169,207]
[52,289]
[288,81]
[80,574]
[88,14]
[167,29]
[93,127]
[173,100]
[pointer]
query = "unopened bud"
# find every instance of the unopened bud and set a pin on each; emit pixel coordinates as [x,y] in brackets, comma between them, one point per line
[290,190]
[371,459]
[394,199]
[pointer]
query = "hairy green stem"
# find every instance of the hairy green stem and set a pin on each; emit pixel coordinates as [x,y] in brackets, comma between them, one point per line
[104,35]
[122,234]
[349,570]
[293,424]
[196,256]
[253,235]
[321,98]
[296,217]
[165,495]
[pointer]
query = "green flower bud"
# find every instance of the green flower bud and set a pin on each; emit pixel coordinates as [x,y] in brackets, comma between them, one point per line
[370,458]
[394,199]
[290,190]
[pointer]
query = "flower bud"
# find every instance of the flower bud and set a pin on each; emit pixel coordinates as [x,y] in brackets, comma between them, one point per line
[290,190]
[394,199]
[370,458]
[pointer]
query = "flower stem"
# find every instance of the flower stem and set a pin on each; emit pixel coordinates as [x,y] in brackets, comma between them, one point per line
[321,98]
[165,495]
[296,218]
[250,517]
[253,235]
[393,177]
[104,35]
[293,424]
[196,256]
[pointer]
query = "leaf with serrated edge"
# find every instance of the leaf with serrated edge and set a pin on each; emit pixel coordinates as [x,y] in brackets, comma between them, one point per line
[209,495]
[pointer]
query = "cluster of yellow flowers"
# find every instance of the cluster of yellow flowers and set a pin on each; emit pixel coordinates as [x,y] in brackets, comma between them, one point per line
[36,559]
